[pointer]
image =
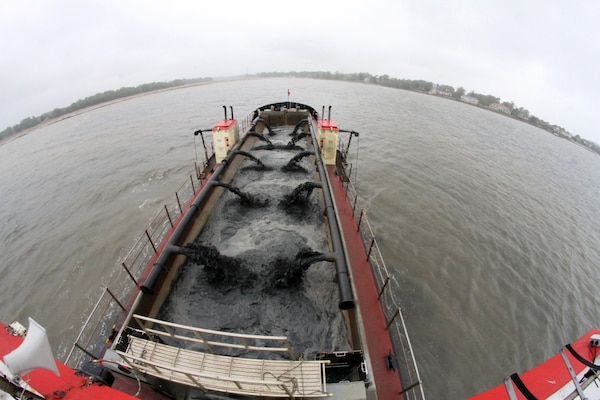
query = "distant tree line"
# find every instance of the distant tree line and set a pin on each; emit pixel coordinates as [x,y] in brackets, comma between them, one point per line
[94,100]
[422,86]
[484,101]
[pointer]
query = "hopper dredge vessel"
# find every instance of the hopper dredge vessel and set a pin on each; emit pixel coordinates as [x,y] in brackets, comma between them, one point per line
[263,279]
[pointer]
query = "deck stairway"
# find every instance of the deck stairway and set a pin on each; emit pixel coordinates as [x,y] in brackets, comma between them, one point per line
[213,372]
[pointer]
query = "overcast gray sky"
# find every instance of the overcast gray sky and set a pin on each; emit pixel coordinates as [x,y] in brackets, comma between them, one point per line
[542,54]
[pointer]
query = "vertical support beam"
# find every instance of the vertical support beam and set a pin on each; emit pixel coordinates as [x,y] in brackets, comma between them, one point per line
[573,375]
[129,273]
[192,181]
[196,382]
[289,347]
[179,202]
[360,220]
[387,280]
[150,240]
[370,248]
[142,325]
[168,215]
[410,387]
[208,345]
[510,390]
[393,318]
[115,299]
[169,331]
[323,378]
[197,169]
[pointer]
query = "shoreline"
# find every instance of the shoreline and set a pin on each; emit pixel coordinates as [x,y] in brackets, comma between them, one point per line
[594,148]
[72,114]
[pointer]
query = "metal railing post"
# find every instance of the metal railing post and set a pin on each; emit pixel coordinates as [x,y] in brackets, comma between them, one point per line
[192,181]
[87,321]
[410,387]
[129,273]
[150,240]
[179,202]
[360,220]
[393,318]
[115,299]
[370,249]
[387,280]
[204,341]
[168,215]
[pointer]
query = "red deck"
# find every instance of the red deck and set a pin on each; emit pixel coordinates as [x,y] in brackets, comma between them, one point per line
[548,377]
[68,385]
[378,342]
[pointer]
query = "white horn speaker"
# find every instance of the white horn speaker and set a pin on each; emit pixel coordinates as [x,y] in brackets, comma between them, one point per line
[34,352]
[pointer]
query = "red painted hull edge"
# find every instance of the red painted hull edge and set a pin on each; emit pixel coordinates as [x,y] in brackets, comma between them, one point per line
[548,377]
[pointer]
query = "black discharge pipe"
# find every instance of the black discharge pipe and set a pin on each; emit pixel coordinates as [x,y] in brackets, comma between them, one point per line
[253,127]
[271,131]
[352,133]
[199,132]
[171,248]
[346,298]
[225,109]
[160,266]
[298,125]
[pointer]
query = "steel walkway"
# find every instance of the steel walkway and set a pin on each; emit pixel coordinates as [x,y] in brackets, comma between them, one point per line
[234,375]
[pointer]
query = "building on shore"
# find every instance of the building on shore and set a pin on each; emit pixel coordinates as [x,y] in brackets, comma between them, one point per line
[469,99]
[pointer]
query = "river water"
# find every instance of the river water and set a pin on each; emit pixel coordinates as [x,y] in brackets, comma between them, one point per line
[491,226]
